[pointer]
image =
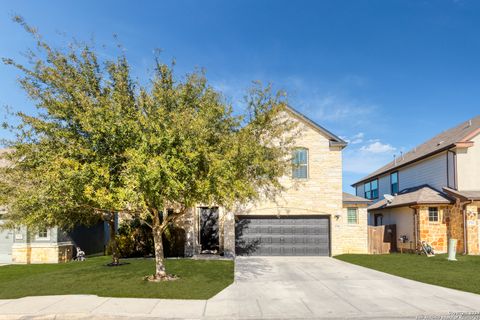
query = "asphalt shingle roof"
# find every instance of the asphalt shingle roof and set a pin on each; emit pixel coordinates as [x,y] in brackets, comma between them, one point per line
[411,196]
[350,198]
[445,140]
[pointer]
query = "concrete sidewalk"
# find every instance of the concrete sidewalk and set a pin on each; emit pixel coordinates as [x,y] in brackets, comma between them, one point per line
[270,288]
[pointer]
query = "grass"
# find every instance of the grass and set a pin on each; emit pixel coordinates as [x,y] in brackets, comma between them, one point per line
[199,279]
[463,274]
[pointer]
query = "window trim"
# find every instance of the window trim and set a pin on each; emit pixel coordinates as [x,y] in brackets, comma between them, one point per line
[391,184]
[370,190]
[47,236]
[307,164]
[438,215]
[348,215]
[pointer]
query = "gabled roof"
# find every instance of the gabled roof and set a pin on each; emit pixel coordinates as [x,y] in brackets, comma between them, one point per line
[413,196]
[334,140]
[457,136]
[348,198]
[463,194]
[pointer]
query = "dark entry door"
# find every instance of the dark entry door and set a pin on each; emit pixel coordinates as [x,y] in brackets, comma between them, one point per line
[209,229]
[284,236]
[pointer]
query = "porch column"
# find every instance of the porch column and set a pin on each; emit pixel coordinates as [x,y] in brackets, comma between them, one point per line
[229,234]
[472,229]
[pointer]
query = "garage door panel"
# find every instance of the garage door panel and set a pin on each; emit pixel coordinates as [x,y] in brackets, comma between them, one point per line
[284,236]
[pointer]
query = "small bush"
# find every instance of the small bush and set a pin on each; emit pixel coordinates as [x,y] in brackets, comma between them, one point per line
[135,239]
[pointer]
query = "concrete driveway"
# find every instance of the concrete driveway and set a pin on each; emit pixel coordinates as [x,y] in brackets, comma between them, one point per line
[304,287]
[270,288]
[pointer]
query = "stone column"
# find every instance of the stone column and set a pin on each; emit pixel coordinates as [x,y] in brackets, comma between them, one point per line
[472,229]
[228,234]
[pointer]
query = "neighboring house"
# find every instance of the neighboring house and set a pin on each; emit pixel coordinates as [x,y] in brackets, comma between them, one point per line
[311,217]
[48,245]
[432,192]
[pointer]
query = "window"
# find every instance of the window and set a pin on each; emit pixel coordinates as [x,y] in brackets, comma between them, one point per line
[42,233]
[433,214]
[300,164]
[394,182]
[371,189]
[352,215]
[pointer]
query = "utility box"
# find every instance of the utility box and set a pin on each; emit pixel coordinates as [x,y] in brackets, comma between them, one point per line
[452,249]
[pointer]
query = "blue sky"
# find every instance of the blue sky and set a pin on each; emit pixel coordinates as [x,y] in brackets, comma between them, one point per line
[385,75]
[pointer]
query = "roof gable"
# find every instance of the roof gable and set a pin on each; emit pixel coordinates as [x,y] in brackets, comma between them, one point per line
[334,139]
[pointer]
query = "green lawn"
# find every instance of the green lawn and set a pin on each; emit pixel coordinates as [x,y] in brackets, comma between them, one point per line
[463,274]
[199,279]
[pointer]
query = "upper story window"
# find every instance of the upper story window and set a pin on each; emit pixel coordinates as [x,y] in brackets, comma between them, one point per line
[300,163]
[352,215]
[433,214]
[371,189]
[43,234]
[394,182]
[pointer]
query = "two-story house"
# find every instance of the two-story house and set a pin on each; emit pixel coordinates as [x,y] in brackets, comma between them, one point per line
[311,217]
[431,193]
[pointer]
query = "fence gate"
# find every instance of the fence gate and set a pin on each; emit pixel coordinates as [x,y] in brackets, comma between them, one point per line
[382,239]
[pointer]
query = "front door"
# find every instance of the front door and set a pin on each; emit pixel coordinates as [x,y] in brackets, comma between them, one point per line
[209,230]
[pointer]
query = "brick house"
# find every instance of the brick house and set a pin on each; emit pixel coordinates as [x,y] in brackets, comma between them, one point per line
[431,193]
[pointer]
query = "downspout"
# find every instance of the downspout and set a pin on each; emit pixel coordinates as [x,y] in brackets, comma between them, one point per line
[465,229]
[415,227]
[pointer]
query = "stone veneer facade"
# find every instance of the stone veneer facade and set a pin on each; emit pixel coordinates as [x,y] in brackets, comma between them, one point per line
[41,253]
[320,194]
[451,225]
[354,237]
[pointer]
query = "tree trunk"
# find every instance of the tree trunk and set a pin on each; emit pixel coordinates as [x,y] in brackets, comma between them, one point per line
[160,272]
[113,242]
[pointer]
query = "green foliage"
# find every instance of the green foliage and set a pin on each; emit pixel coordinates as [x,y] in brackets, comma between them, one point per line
[135,239]
[103,144]
[68,160]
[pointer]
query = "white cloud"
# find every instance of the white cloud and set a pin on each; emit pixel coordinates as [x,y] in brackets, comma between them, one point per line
[358,138]
[368,158]
[355,139]
[378,147]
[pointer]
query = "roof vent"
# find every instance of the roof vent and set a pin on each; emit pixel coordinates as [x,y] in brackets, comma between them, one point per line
[470,122]
[440,142]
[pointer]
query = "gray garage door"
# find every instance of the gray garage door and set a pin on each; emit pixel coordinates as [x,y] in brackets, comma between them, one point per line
[284,236]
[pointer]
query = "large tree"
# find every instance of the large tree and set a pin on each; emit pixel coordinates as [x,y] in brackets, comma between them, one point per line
[68,157]
[192,149]
[101,145]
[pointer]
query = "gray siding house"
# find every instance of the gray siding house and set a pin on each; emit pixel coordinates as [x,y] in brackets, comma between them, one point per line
[53,245]
[432,192]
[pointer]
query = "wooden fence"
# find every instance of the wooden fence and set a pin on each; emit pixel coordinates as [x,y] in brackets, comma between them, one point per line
[382,239]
